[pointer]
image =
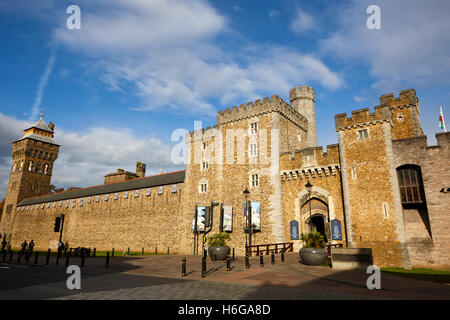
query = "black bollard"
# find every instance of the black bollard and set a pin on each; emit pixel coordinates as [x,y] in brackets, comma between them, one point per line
[128,254]
[107,259]
[156,250]
[11,252]
[27,257]
[112,253]
[48,257]
[168,251]
[183,267]
[247,262]
[95,251]
[19,256]
[228,263]
[36,257]
[57,257]
[142,251]
[233,254]
[261,260]
[82,259]
[282,256]
[4,255]
[273,258]
[67,260]
[203,266]
[215,257]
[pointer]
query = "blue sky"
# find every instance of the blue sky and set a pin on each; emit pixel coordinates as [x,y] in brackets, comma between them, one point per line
[137,70]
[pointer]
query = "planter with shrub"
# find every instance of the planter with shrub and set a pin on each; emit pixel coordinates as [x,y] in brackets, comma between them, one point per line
[217,246]
[313,252]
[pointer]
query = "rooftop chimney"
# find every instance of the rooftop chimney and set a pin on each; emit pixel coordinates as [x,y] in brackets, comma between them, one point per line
[140,169]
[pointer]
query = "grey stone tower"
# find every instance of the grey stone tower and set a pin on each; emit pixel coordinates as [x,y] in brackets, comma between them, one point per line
[303,100]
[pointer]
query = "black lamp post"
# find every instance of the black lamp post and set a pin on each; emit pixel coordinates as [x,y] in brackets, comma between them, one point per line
[246,193]
[308,187]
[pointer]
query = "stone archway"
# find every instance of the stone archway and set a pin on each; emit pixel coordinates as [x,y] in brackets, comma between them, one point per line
[318,222]
[314,216]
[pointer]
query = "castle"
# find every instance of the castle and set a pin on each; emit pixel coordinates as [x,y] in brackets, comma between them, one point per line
[380,182]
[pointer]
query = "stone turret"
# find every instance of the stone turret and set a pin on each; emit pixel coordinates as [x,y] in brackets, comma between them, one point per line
[303,101]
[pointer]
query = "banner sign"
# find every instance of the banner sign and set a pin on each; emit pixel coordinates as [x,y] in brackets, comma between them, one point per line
[294,230]
[201,211]
[336,231]
[256,216]
[227,218]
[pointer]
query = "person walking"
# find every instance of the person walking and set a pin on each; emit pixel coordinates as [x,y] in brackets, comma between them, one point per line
[31,247]
[4,243]
[24,247]
[60,248]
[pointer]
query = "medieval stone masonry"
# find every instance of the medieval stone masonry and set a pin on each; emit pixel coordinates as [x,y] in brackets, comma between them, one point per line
[380,182]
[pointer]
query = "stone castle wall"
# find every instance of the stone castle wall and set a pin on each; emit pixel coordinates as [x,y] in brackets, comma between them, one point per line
[322,170]
[428,245]
[147,221]
[370,189]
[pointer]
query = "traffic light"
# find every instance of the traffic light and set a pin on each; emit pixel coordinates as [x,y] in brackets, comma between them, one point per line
[57,224]
[207,217]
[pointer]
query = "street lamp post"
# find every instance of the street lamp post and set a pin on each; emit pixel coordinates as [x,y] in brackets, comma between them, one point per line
[246,193]
[308,187]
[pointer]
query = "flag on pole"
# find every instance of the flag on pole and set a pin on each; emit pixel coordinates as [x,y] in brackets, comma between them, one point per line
[441,121]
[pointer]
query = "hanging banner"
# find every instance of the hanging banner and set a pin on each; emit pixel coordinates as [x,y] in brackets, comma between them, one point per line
[294,230]
[255,207]
[336,231]
[228,218]
[201,211]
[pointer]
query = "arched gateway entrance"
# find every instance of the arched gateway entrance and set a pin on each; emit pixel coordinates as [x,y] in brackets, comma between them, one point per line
[315,210]
[315,216]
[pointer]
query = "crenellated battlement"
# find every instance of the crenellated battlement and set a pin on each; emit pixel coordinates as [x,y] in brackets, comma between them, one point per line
[407,97]
[201,134]
[303,93]
[308,158]
[257,108]
[362,117]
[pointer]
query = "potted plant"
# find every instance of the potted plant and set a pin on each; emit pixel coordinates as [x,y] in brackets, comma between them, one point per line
[313,252]
[217,246]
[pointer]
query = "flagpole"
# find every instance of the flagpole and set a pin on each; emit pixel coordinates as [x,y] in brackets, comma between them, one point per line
[443,121]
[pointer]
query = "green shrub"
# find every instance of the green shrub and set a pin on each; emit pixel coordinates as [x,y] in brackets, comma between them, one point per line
[313,240]
[218,240]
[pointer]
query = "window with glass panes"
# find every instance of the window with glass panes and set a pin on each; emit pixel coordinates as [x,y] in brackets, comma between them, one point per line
[409,180]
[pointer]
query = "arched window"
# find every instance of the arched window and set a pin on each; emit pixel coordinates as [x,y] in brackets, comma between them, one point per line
[411,185]
[46,156]
[38,168]
[36,152]
[41,154]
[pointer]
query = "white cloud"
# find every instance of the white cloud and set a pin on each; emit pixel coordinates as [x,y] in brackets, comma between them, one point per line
[86,157]
[274,14]
[412,47]
[168,53]
[302,22]
[42,84]
[358,98]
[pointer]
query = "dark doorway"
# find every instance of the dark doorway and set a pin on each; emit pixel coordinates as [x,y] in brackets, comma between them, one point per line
[318,224]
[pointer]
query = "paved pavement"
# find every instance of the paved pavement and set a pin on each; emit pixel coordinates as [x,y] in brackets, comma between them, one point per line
[159,277]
